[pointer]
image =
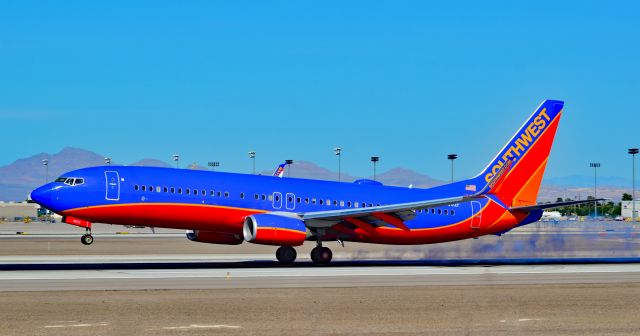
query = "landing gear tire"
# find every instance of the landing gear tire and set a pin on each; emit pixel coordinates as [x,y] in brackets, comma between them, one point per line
[286,255]
[321,255]
[87,239]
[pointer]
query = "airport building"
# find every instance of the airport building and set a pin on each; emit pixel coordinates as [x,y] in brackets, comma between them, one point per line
[17,211]
[627,209]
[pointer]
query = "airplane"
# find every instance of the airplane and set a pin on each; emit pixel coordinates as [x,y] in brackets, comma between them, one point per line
[232,208]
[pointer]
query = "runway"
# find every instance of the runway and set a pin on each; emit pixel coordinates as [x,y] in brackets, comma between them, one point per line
[527,283]
[268,275]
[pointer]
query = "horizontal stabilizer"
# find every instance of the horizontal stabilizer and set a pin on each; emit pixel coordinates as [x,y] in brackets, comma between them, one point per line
[554,205]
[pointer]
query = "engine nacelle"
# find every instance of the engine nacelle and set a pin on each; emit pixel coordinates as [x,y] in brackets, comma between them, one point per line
[213,237]
[272,229]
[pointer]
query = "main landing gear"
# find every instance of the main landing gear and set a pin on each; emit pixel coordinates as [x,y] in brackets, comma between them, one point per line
[286,255]
[321,255]
[87,238]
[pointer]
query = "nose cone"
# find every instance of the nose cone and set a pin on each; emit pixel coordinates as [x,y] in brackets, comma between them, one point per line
[42,195]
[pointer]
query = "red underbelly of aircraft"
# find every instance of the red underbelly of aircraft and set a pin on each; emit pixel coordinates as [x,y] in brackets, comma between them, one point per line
[172,216]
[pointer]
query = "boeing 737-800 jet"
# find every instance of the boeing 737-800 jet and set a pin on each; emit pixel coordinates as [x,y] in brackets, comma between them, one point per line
[228,208]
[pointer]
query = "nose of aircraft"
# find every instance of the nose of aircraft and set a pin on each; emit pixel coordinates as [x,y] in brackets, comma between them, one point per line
[42,195]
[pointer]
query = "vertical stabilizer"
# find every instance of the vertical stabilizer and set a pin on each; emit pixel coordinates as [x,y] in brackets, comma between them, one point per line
[527,153]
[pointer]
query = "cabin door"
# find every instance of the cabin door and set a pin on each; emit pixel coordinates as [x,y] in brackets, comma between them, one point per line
[113,185]
[476,215]
[277,200]
[291,201]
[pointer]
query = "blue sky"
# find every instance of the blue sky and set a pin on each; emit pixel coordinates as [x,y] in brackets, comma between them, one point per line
[409,81]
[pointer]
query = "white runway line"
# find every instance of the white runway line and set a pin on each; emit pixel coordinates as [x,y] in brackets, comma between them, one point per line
[316,272]
[79,325]
[198,326]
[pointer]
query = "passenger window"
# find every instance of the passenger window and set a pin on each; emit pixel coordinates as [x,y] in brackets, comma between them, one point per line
[349,203]
[187,191]
[219,193]
[195,191]
[135,187]
[144,188]
[264,197]
[277,198]
[150,188]
[226,194]
[211,193]
[306,200]
[335,202]
[446,212]
[439,211]
[179,190]
[321,201]
[289,199]
[356,204]
[298,200]
[370,205]
[165,189]
[158,189]
[270,197]
[433,211]
[341,203]
[313,201]
[242,195]
[452,212]
[256,196]
[173,190]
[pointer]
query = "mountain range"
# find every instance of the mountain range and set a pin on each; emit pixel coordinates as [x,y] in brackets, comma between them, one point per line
[20,177]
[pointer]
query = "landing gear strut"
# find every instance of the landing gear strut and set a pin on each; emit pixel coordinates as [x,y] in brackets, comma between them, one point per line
[286,255]
[87,238]
[321,255]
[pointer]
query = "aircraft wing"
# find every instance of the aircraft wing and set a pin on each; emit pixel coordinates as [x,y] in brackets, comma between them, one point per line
[394,214]
[553,205]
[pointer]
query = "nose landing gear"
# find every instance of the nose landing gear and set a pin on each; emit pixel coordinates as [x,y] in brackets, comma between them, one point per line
[87,238]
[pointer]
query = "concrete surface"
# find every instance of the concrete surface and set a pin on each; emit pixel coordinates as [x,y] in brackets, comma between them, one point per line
[557,310]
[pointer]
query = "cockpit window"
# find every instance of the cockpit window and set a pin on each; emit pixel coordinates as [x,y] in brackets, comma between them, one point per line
[70,181]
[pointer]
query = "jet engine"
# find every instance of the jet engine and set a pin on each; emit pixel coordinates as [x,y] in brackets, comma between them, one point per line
[274,229]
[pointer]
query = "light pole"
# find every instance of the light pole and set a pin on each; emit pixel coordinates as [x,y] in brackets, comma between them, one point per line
[176,158]
[107,160]
[289,163]
[633,152]
[375,160]
[338,152]
[213,165]
[595,166]
[252,156]
[45,163]
[452,157]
